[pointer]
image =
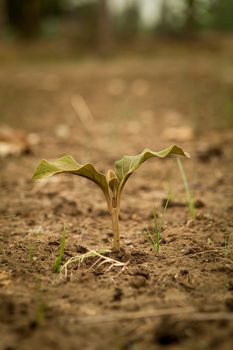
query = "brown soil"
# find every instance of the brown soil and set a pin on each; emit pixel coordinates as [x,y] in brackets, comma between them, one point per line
[180,299]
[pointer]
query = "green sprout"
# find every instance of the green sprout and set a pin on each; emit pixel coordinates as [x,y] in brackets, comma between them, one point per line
[111,184]
[227,245]
[189,195]
[40,312]
[155,236]
[57,263]
[30,253]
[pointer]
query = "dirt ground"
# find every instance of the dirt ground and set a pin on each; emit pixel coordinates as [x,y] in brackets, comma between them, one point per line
[97,111]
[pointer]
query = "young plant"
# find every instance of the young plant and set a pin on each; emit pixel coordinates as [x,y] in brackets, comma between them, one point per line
[155,236]
[190,199]
[111,184]
[30,253]
[57,263]
[227,245]
[40,311]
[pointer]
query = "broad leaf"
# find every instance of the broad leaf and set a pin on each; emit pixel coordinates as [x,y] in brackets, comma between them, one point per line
[67,164]
[128,164]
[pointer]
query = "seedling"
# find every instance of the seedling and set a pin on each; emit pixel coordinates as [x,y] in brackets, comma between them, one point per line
[30,253]
[155,236]
[40,312]
[57,264]
[227,245]
[190,199]
[111,184]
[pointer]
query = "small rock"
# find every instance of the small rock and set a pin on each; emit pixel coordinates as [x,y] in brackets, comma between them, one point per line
[229,304]
[138,282]
[169,333]
[118,293]
[199,203]
[81,249]
[207,152]
[163,240]
[141,272]
[186,251]
[230,286]
[190,223]
[184,272]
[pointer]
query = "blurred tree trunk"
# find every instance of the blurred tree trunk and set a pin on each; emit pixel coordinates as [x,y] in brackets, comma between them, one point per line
[2,16]
[163,23]
[24,16]
[105,34]
[222,11]
[29,21]
[190,22]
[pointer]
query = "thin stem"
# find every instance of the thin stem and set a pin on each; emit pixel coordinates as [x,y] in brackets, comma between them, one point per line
[115,227]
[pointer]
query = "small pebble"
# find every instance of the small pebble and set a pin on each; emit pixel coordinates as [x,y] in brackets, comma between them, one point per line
[141,272]
[199,203]
[186,251]
[190,223]
[138,282]
[229,304]
[117,295]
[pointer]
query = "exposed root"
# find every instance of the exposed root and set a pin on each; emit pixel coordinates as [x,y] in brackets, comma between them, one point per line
[102,260]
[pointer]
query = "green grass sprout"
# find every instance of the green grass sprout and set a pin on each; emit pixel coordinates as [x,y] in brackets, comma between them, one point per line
[227,245]
[30,253]
[57,263]
[189,195]
[155,236]
[40,312]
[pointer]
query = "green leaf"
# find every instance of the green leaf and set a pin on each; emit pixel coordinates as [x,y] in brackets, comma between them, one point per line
[128,164]
[67,164]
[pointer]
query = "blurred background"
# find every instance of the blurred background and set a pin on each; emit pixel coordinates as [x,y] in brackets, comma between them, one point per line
[109,26]
[123,70]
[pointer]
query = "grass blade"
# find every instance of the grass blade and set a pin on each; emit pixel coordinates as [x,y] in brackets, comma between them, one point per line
[57,264]
[190,199]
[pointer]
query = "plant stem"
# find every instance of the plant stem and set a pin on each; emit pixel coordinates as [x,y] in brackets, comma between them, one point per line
[115,227]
